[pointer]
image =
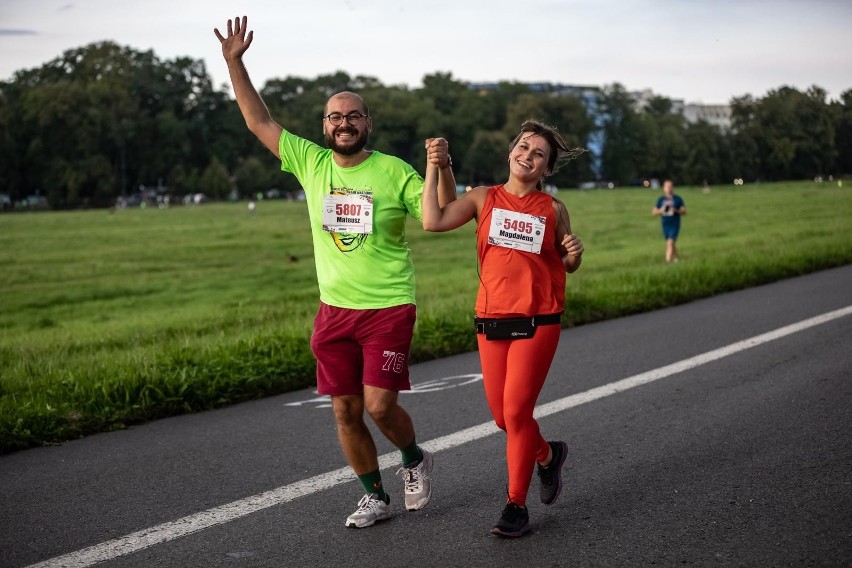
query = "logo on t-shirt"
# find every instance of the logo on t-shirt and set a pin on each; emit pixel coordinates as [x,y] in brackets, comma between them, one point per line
[348,217]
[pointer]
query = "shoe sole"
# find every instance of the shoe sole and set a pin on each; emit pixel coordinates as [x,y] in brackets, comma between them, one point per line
[423,501]
[523,530]
[559,474]
[356,525]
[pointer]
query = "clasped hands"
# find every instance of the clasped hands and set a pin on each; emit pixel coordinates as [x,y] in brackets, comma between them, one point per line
[438,152]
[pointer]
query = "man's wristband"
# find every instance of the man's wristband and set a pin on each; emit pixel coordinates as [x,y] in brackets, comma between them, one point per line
[449,162]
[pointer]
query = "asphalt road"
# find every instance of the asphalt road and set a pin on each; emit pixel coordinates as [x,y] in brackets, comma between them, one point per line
[745,460]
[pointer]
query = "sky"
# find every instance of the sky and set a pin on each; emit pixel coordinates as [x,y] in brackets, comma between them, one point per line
[698,51]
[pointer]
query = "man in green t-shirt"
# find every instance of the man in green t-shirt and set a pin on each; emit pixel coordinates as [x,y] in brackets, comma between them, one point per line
[357,203]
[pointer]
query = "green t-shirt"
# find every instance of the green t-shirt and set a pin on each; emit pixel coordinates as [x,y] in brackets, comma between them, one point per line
[358,271]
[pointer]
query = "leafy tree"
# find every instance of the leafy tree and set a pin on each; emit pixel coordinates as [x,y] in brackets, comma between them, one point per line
[457,113]
[705,154]
[662,150]
[816,149]
[486,161]
[397,118]
[297,105]
[215,181]
[255,175]
[794,132]
[444,92]
[103,119]
[184,180]
[843,133]
[622,140]
[746,154]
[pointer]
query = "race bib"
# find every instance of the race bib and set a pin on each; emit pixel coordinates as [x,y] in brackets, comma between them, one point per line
[347,213]
[514,230]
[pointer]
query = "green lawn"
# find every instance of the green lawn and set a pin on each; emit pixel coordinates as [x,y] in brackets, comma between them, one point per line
[111,318]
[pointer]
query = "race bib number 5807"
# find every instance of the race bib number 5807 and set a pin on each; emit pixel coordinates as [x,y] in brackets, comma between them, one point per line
[351,213]
[515,230]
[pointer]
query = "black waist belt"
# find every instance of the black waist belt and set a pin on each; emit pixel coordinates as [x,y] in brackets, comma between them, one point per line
[514,328]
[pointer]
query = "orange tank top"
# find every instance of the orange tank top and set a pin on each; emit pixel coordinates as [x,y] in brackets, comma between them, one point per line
[516,282]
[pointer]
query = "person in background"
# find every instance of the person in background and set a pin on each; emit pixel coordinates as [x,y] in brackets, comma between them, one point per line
[357,202]
[525,247]
[670,208]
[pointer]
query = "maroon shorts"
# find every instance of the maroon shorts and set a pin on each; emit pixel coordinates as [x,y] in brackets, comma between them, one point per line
[362,347]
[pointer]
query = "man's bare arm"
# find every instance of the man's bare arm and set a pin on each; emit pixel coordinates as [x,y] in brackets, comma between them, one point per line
[252,107]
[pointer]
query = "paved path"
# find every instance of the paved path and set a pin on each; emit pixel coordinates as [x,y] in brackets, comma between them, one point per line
[709,456]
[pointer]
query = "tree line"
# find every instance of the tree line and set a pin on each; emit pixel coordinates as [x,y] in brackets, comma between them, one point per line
[102,121]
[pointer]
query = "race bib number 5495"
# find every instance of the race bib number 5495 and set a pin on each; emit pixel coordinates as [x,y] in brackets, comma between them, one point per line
[515,230]
[352,213]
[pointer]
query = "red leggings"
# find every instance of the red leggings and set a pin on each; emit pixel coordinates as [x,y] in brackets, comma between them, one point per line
[513,372]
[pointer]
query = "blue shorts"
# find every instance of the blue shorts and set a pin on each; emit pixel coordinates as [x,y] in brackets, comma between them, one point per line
[671,231]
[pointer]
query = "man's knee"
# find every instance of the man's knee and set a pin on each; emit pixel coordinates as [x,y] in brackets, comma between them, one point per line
[348,411]
[381,405]
[382,411]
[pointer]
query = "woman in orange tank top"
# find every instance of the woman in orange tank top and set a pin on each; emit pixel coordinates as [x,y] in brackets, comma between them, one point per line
[525,246]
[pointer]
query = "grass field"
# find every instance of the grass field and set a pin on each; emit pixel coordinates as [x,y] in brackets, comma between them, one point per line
[112,318]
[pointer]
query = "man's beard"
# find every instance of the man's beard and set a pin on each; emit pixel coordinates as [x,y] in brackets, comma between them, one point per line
[351,149]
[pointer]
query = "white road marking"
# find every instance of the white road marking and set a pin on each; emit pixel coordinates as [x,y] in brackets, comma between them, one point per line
[434,385]
[173,530]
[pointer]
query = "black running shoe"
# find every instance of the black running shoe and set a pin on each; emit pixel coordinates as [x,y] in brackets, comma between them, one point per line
[514,522]
[551,476]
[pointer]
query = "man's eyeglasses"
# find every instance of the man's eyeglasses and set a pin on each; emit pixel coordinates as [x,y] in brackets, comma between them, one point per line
[353,117]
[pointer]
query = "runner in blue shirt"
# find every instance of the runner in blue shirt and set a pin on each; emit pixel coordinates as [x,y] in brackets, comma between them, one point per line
[670,208]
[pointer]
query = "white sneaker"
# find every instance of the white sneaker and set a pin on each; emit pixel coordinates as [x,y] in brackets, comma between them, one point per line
[370,510]
[418,485]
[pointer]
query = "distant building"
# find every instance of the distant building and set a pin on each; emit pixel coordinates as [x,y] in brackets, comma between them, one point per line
[643,98]
[717,115]
[581,91]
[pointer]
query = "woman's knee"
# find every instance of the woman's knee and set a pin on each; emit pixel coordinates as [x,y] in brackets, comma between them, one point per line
[517,417]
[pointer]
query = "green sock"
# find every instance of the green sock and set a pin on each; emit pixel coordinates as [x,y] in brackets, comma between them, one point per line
[411,454]
[372,483]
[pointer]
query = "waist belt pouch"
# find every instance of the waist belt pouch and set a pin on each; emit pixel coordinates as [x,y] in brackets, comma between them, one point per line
[513,328]
[509,328]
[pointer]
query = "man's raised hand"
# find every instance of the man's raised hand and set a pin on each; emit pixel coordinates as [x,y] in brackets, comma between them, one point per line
[237,41]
